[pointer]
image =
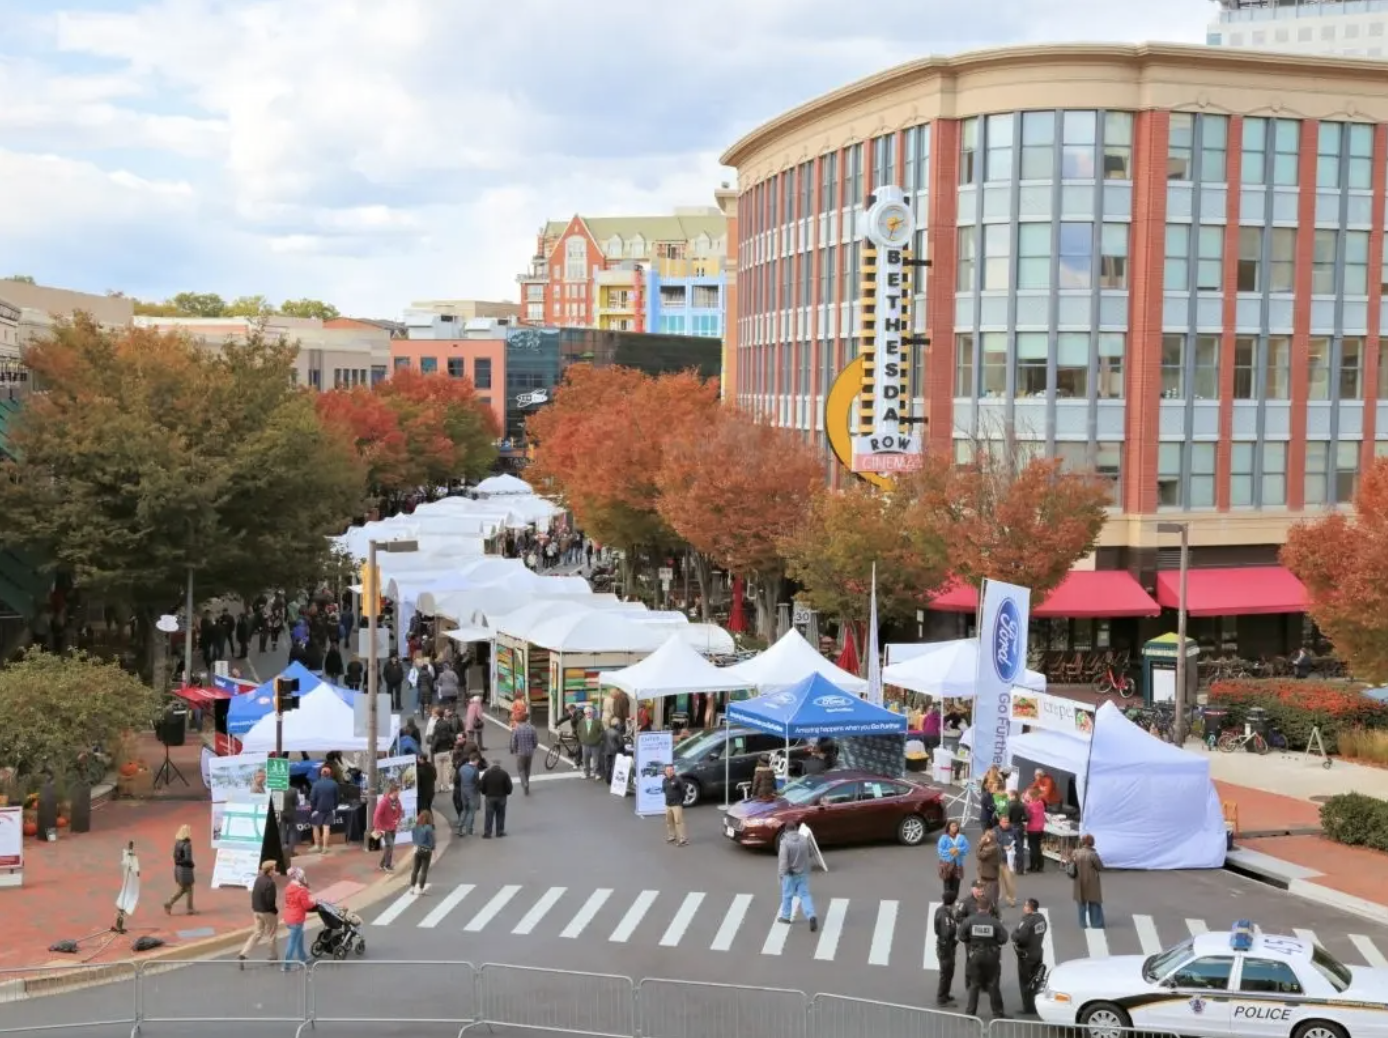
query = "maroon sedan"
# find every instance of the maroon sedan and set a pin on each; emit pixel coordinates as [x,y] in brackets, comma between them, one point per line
[841,807]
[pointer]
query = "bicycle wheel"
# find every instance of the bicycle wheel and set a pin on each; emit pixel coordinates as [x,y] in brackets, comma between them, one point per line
[1258,744]
[552,757]
[1126,687]
[1228,742]
[1103,685]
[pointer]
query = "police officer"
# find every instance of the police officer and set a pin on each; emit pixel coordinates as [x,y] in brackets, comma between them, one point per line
[1028,939]
[946,946]
[974,903]
[984,937]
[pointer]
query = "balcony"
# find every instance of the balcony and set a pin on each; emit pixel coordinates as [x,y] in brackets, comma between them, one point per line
[618,277]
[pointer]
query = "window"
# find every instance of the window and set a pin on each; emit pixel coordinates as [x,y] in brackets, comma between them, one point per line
[853,183]
[1209,259]
[1072,366]
[482,373]
[1180,149]
[1323,262]
[1269,976]
[843,793]
[884,160]
[402,363]
[1214,148]
[1169,475]
[1206,367]
[1202,475]
[1255,144]
[1076,255]
[1112,348]
[968,152]
[1279,368]
[964,366]
[1208,974]
[1317,464]
[1249,274]
[1173,366]
[614,247]
[829,182]
[1118,145]
[1038,145]
[428,365]
[995,363]
[1328,154]
[1282,269]
[828,283]
[1318,369]
[1359,174]
[998,160]
[1108,463]
[457,367]
[1113,256]
[807,200]
[1351,369]
[1077,145]
[1241,475]
[1176,276]
[1033,349]
[997,256]
[575,259]
[1356,267]
[1034,255]
[1286,152]
[967,262]
[1274,474]
[1245,357]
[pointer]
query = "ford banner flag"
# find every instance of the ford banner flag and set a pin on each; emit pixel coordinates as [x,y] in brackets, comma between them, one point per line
[1002,647]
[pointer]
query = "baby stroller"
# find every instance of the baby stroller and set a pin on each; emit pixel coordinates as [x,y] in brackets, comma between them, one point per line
[340,935]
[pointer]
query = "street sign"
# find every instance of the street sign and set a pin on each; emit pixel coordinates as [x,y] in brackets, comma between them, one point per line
[665,573]
[277,774]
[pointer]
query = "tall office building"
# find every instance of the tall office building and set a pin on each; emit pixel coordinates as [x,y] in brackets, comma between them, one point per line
[1351,28]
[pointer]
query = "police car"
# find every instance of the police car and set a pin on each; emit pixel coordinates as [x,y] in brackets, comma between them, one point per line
[1244,983]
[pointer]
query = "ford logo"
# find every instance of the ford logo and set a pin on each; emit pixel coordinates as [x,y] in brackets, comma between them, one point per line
[1007,641]
[780,699]
[833,702]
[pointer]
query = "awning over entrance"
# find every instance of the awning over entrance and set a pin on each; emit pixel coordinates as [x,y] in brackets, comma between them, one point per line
[1082,594]
[1229,592]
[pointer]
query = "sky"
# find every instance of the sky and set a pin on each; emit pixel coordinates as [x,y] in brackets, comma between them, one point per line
[373,153]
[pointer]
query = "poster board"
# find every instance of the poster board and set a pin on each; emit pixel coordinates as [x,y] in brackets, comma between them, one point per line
[537,676]
[816,855]
[400,770]
[233,778]
[11,846]
[1054,713]
[504,658]
[580,686]
[250,834]
[654,750]
[621,775]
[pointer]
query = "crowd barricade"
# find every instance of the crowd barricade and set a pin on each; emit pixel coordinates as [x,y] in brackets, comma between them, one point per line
[837,1016]
[559,1001]
[99,995]
[690,1009]
[1037,1029]
[222,991]
[365,991]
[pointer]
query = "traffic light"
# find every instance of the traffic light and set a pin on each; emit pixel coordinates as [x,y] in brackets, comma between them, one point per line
[370,589]
[286,694]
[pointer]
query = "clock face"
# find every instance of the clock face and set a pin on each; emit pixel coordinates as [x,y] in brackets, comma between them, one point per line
[891,224]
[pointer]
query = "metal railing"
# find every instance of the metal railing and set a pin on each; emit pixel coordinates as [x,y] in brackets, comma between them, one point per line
[460,995]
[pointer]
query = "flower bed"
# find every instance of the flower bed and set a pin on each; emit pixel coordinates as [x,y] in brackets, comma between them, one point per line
[1295,707]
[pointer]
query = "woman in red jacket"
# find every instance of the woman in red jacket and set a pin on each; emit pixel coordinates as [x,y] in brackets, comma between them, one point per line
[389,811]
[1036,826]
[298,902]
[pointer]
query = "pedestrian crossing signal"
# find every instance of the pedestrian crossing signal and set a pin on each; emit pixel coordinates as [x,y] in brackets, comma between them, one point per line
[286,694]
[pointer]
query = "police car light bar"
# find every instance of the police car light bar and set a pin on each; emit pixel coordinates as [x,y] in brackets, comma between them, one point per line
[1241,936]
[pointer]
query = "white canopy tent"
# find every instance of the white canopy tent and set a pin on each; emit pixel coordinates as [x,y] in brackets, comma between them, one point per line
[674,669]
[946,670]
[471,633]
[790,660]
[1148,804]
[323,722]
[506,484]
[709,639]
[594,631]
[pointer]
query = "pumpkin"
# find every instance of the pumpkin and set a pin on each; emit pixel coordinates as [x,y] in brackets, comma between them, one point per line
[31,828]
[62,821]
[129,769]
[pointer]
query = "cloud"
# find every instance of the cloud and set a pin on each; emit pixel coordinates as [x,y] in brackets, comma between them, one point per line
[373,153]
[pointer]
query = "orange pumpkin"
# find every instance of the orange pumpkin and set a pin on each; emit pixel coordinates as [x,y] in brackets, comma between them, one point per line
[31,828]
[129,769]
[62,821]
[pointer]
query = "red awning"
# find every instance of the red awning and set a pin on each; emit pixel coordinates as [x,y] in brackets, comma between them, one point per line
[199,696]
[1229,592]
[1082,594]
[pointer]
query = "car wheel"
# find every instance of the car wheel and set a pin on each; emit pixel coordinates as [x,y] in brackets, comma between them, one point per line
[1319,1029]
[692,792]
[910,831]
[1105,1020]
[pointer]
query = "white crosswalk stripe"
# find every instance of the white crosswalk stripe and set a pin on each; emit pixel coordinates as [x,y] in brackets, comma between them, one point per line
[832,929]
[674,933]
[452,901]
[932,954]
[1372,956]
[590,909]
[1097,941]
[1048,941]
[539,910]
[492,908]
[1196,927]
[1147,934]
[732,922]
[1309,936]
[882,934]
[395,910]
[634,915]
[775,942]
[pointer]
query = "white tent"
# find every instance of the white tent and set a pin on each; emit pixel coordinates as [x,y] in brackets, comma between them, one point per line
[323,722]
[708,638]
[948,670]
[471,633]
[790,660]
[1148,804]
[594,631]
[674,669]
[494,486]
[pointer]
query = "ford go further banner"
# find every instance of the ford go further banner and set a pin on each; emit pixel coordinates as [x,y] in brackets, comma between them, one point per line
[1002,650]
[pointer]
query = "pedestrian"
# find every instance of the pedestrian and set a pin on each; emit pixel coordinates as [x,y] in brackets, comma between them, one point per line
[424,840]
[521,709]
[1084,868]
[614,742]
[673,786]
[621,708]
[946,945]
[323,796]
[952,850]
[793,867]
[267,917]
[983,938]
[1036,828]
[332,665]
[1010,848]
[183,869]
[394,674]
[467,795]
[242,628]
[448,685]
[1029,940]
[426,778]
[989,855]
[763,779]
[298,902]
[389,812]
[523,744]
[443,737]
[495,786]
[475,721]
[974,904]
[590,739]
[355,674]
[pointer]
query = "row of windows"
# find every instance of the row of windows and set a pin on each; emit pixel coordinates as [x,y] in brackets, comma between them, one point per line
[346,378]
[705,325]
[1257,474]
[1085,141]
[1266,260]
[456,368]
[987,261]
[1030,359]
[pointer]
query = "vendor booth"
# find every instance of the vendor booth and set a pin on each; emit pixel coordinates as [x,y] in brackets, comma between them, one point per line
[322,722]
[946,670]
[675,672]
[792,660]
[581,646]
[246,709]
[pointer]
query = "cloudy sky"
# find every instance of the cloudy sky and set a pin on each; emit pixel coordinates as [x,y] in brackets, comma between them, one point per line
[372,152]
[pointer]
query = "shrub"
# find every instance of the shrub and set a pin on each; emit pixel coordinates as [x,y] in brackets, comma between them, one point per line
[1295,707]
[1357,820]
[1370,744]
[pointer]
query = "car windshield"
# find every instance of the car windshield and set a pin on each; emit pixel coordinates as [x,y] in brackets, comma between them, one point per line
[803,790]
[1162,963]
[1334,971]
[696,745]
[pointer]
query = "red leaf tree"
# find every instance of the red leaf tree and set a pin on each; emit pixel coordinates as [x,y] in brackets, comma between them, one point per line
[364,419]
[1343,561]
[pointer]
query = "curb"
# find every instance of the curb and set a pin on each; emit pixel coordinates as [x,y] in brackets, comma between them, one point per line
[1309,891]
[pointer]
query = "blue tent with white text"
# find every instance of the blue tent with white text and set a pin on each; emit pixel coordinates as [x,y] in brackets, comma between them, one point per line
[815,708]
[245,710]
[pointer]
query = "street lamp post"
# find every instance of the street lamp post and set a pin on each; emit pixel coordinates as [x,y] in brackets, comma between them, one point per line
[1179,725]
[372,593]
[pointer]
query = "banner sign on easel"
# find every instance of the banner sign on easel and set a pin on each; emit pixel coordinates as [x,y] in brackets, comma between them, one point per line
[250,835]
[621,775]
[11,846]
[654,750]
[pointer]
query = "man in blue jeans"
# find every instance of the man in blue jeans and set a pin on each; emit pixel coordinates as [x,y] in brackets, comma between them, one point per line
[793,866]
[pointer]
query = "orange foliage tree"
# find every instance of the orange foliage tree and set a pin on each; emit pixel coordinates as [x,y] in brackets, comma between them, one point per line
[364,419]
[735,489]
[1343,561]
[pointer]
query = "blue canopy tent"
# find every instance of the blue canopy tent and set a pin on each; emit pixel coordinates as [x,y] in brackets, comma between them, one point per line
[245,710]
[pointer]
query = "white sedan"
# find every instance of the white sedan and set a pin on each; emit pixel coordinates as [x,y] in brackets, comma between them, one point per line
[1243,983]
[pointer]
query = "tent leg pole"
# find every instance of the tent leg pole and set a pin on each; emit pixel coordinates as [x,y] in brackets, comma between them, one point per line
[727,767]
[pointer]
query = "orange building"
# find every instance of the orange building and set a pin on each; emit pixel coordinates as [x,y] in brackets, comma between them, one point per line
[482,360]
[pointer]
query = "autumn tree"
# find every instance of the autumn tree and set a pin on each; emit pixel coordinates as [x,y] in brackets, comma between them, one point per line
[366,420]
[210,304]
[250,306]
[832,552]
[735,489]
[1342,558]
[148,456]
[449,432]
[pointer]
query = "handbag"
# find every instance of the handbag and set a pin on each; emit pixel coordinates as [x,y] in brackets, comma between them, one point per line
[949,870]
[1071,869]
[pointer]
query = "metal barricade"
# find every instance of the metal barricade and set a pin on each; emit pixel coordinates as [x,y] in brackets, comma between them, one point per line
[394,992]
[1038,1029]
[837,1016]
[99,995]
[222,991]
[561,1001]
[688,1009]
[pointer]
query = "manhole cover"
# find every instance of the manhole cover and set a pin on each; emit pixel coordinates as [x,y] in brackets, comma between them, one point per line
[1320,800]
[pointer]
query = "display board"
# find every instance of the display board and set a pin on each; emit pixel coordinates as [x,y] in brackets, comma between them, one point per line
[581,685]
[506,660]
[1039,710]
[250,834]
[621,775]
[654,750]
[11,846]
[233,778]
[537,675]
[402,771]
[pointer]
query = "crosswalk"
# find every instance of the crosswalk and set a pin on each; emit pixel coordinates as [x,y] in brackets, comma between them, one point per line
[878,932]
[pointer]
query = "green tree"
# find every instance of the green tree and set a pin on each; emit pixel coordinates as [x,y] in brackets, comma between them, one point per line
[199,304]
[309,308]
[23,279]
[148,456]
[54,708]
[250,306]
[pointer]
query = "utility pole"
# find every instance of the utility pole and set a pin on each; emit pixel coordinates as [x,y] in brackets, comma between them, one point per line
[1178,732]
[371,591]
[191,626]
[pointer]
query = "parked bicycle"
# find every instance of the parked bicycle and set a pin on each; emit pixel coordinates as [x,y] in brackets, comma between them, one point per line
[1249,739]
[564,742]
[1111,680]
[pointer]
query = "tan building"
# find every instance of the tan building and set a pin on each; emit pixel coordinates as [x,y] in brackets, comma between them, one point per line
[472,309]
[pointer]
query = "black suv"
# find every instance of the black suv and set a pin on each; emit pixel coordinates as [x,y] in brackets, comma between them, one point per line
[699,760]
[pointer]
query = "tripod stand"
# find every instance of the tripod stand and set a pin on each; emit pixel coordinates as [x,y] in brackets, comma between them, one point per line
[168,771]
